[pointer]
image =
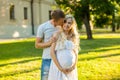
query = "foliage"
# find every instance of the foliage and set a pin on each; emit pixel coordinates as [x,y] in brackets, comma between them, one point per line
[96,7]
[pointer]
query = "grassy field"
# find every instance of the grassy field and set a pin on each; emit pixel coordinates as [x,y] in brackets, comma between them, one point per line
[99,59]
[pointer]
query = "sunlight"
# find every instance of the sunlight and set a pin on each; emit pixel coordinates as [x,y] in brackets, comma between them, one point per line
[3,11]
[16,34]
[110,35]
[24,23]
[24,26]
[111,47]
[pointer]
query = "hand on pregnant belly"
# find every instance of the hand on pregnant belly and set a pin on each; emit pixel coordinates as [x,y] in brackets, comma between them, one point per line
[66,58]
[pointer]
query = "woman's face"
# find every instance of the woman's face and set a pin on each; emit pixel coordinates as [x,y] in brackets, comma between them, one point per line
[67,25]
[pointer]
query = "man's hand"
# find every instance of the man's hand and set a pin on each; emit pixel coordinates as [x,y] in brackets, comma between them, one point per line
[52,40]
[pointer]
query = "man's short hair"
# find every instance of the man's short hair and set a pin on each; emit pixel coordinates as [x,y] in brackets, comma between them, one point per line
[57,14]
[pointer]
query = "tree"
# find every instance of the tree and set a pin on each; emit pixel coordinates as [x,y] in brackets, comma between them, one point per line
[118,22]
[82,9]
[115,17]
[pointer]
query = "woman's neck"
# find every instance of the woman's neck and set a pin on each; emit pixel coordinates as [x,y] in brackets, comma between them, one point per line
[66,32]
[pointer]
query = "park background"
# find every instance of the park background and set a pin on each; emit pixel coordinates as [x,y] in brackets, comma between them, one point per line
[99,27]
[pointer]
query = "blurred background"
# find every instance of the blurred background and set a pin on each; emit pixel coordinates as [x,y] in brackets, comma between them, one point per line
[98,24]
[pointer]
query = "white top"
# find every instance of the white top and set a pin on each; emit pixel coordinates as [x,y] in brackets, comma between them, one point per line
[45,31]
[66,58]
[65,54]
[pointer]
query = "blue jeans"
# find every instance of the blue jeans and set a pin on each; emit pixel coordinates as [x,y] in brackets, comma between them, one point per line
[45,68]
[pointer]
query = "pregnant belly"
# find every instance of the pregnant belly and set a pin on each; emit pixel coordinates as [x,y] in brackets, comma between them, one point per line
[66,58]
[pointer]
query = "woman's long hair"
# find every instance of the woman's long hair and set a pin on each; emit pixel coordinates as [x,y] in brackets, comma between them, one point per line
[73,32]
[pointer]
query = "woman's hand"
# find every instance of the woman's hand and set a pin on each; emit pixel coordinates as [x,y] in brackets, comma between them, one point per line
[65,71]
[72,68]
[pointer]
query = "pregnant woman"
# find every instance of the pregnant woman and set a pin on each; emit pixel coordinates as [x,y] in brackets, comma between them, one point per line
[64,52]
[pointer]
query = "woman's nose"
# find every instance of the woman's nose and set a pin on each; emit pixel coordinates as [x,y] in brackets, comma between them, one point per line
[68,25]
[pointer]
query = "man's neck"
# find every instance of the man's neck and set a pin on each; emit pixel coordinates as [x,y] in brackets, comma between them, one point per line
[53,23]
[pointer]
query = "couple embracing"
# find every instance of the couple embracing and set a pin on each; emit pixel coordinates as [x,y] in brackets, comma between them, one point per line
[60,42]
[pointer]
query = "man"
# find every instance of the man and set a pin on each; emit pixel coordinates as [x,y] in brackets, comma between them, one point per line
[44,39]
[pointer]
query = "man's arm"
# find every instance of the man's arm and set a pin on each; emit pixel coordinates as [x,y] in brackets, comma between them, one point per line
[40,44]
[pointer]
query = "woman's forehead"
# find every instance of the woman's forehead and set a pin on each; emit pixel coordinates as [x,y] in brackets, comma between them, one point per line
[69,19]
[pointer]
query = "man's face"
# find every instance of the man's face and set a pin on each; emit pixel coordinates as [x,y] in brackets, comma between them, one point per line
[60,22]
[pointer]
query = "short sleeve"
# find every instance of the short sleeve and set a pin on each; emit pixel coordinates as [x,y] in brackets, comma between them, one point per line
[40,31]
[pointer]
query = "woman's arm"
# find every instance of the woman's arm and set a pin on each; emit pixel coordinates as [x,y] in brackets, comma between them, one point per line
[76,58]
[75,64]
[53,56]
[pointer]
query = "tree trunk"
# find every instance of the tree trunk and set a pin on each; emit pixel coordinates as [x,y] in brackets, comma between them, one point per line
[86,19]
[113,22]
[88,28]
[118,26]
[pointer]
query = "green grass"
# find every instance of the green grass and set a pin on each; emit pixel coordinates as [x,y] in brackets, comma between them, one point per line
[100,30]
[99,59]
[19,60]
